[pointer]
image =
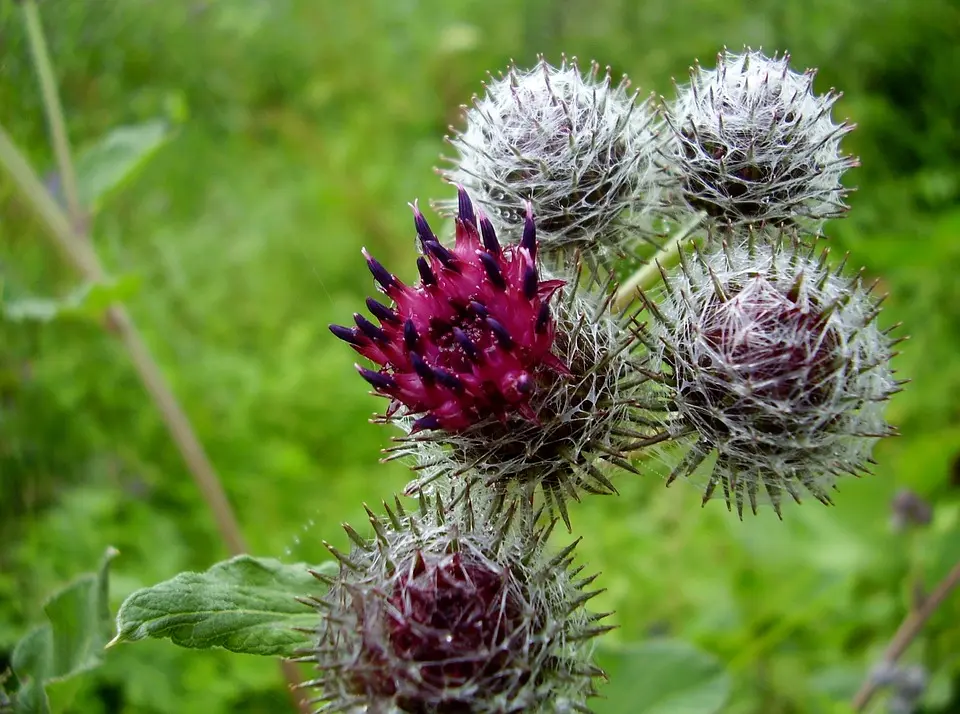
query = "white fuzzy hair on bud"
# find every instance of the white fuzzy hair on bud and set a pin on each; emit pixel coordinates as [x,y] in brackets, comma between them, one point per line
[455,607]
[775,369]
[588,422]
[753,144]
[578,146]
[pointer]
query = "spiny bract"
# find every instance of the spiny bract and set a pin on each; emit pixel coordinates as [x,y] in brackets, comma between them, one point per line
[753,144]
[446,610]
[775,368]
[577,146]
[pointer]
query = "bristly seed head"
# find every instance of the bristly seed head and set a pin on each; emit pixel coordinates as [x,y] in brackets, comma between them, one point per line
[575,145]
[455,613]
[776,371]
[752,144]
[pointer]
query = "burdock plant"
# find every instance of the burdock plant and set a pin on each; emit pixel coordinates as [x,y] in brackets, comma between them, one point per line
[519,379]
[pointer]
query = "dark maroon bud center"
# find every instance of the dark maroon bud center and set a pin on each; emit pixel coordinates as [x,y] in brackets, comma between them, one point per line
[763,348]
[449,621]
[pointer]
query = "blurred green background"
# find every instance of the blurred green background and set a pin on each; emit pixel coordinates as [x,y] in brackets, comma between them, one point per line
[301,129]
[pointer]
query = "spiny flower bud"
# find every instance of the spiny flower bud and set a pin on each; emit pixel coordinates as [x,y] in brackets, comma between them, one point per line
[468,341]
[445,610]
[575,145]
[485,378]
[754,145]
[775,368]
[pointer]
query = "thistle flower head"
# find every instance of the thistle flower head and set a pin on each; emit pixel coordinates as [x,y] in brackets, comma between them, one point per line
[575,145]
[447,611]
[775,368]
[754,145]
[488,374]
[469,340]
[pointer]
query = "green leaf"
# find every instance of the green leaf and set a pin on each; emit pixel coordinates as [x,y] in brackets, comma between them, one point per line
[244,604]
[71,642]
[661,677]
[107,165]
[88,302]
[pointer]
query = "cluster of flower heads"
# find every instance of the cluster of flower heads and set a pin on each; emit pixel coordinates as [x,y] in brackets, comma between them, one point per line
[520,378]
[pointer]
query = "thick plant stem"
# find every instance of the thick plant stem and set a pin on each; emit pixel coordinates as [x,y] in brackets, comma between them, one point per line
[179,427]
[647,276]
[907,633]
[77,252]
[55,119]
[70,236]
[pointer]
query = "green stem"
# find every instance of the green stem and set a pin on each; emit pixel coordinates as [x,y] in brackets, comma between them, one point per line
[54,110]
[78,253]
[649,275]
[908,631]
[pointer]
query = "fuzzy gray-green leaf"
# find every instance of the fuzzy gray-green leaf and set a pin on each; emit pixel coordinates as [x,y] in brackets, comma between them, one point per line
[244,604]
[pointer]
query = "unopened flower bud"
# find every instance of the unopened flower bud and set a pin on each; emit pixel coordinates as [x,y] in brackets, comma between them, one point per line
[776,370]
[450,610]
[577,146]
[754,145]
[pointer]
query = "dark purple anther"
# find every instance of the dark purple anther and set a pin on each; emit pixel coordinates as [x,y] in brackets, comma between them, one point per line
[448,259]
[543,319]
[411,338]
[423,370]
[423,228]
[489,236]
[531,282]
[500,332]
[524,384]
[492,268]
[465,206]
[382,312]
[448,380]
[426,422]
[478,309]
[466,344]
[529,240]
[426,274]
[380,274]
[348,335]
[379,381]
[369,329]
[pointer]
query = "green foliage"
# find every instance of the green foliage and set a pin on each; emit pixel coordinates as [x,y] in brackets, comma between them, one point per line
[305,127]
[70,643]
[88,302]
[662,677]
[246,605]
[112,162]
